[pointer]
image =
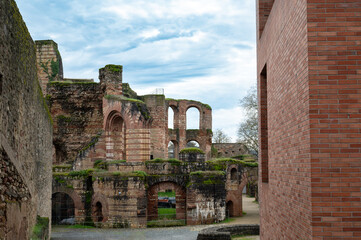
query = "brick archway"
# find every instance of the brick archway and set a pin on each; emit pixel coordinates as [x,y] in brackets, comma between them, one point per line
[180,193]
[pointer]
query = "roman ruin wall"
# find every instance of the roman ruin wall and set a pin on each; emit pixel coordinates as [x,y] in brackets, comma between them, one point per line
[25,132]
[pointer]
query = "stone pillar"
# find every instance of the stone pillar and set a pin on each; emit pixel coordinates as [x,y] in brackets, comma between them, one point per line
[110,78]
[50,66]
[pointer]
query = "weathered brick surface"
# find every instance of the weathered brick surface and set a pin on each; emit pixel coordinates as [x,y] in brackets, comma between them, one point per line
[25,130]
[308,68]
[230,149]
[50,66]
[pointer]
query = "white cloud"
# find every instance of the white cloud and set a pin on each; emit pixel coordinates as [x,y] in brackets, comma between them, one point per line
[202,50]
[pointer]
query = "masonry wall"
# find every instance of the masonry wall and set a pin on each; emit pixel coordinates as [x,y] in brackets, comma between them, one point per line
[25,131]
[335,100]
[285,167]
[77,111]
[310,121]
[230,149]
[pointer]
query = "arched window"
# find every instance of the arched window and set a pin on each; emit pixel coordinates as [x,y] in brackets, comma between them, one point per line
[170,149]
[193,117]
[234,174]
[170,118]
[192,144]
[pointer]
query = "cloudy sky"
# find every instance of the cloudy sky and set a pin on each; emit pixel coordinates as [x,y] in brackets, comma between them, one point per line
[203,50]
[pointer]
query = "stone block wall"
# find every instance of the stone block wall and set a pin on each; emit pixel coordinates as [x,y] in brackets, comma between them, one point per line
[25,131]
[77,111]
[230,149]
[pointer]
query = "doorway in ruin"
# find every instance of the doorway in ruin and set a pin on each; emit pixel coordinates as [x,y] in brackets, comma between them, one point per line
[229,209]
[63,210]
[98,212]
[166,205]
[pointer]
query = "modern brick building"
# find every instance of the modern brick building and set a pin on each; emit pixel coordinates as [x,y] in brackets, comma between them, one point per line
[309,66]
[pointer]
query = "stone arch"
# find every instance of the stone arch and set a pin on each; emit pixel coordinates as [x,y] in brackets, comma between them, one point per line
[78,204]
[193,143]
[116,136]
[63,208]
[173,152]
[97,199]
[152,197]
[189,115]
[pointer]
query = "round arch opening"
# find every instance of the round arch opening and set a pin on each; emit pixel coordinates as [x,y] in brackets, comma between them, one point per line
[63,210]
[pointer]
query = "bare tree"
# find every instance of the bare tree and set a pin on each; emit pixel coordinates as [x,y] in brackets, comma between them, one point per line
[248,129]
[220,137]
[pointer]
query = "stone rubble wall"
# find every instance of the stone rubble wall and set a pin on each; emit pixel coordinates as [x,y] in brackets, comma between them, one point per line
[25,130]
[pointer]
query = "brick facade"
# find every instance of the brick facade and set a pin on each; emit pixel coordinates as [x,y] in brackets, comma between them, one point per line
[308,81]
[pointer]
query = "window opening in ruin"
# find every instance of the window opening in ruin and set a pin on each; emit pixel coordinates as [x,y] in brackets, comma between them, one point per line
[192,144]
[167,205]
[170,149]
[229,209]
[98,212]
[170,118]
[264,125]
[62,210]
[233,174]
[193,118]
[173,149]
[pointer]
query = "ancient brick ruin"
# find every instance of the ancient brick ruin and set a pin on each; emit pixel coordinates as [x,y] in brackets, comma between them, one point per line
[110,150]
[309,99]
[25,134]
[112,155]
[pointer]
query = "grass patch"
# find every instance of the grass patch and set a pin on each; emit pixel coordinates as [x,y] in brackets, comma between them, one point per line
[166,223]
[227,220]
[166,213]
[166,194]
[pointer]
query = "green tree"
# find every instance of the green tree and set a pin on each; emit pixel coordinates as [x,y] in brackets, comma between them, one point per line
[248,129]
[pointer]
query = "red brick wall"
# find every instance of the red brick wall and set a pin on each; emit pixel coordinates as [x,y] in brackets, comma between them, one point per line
[334,42]
[285,196]
[312,52]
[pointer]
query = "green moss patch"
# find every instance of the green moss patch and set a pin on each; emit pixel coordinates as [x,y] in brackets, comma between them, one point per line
[191,150]
[41,228]
[172,161]
[113,68]
[222,163]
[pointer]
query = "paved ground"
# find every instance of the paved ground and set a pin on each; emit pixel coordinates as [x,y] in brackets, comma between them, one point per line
[174,233]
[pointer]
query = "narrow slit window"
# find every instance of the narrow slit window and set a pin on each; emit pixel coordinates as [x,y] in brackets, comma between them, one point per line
[264,125]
